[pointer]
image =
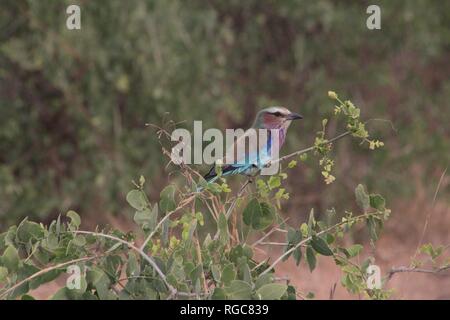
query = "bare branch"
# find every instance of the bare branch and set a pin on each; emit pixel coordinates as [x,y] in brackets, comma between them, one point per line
[299,152]
[304,241]
[415,269]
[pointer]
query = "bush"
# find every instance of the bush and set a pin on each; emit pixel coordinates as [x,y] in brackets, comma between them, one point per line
[194,243]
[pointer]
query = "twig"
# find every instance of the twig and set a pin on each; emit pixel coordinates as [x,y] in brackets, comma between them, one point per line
[269,233]
[240,193]
[200,261]
[43,271]
[233,204]
[273,243]
[333,291]
[288,252]
[285,278]
[138,250]
[429,214]
[167,216]
[299,152]
[415,269]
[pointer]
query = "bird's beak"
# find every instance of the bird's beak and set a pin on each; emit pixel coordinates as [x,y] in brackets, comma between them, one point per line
[294,116]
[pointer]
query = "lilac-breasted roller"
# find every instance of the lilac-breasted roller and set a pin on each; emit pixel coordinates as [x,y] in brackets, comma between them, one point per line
[250,163]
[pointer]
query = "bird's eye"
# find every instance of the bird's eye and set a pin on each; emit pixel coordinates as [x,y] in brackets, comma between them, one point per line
[277,114]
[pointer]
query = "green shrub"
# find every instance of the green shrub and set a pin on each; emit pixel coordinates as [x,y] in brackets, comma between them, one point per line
[195,244]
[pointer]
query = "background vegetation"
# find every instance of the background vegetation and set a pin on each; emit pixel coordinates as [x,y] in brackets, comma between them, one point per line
[73,104]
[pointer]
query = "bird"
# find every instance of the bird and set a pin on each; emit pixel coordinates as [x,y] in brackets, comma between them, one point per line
[277,118]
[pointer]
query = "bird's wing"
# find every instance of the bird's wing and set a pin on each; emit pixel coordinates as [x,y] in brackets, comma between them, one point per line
[247,149]
[243,154]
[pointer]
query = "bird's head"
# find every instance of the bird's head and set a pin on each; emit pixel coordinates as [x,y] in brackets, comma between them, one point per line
[275,118]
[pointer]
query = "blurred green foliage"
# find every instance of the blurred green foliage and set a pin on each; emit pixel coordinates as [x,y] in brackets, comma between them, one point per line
[73,104]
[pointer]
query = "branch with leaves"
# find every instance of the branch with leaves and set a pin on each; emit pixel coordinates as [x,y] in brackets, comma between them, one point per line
[194,244]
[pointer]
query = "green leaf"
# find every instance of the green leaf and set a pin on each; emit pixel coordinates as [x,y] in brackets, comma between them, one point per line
[147,219]
[432,251]
[304,230]
[141,181]
[310,295]
[272,291]
[137,199]
[330,238]
[377,202]
[165,232]
[247,251]
[196,273]
[311,258]
[267,217]
[192,228]
[3,273]
[252,209]
[167,199]
[292,164]
[11,259]
[274,182]
[228,274]
[51,242]
[258,215]
[75,220]
[291,293]
[61,294]
[354,250]
[303,157]
[215,271]
[133,268]
[101,282]
[239,290]
[45,278]
[2,241]
[219,294]
[244,271]
[365,264]
[362,198]
[28,230]
[263,280]
[79,240]
[294,236]
[297,254]
[374,227]
[321,246]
